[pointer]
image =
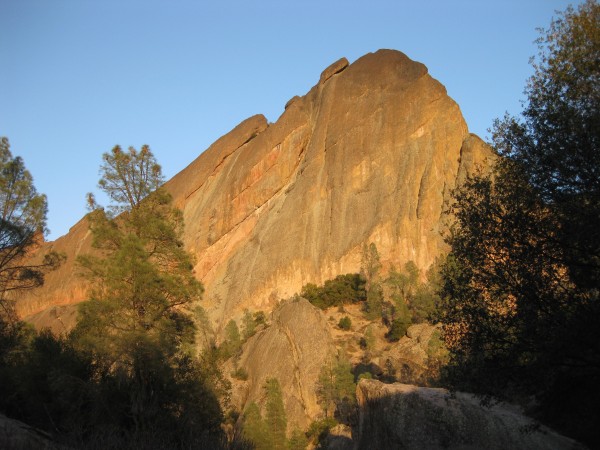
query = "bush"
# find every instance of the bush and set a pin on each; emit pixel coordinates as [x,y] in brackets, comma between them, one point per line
[397,330]
[240,374]
[319,429]
[343,289]
[345,323]
[260,318]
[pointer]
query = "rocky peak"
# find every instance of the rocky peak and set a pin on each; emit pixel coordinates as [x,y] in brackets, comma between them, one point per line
[367,155]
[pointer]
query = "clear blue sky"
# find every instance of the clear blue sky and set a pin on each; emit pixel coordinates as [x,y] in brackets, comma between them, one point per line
[80,76]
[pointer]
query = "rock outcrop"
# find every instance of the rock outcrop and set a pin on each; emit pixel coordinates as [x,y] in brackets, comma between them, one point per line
[15,435]
[413,355]
[410,417]
[368,155]
[293,349]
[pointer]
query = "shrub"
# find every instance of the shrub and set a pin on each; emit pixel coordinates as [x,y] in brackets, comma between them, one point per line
[345,323]
[397,330]
[343,289]
[240,374]
[319,429]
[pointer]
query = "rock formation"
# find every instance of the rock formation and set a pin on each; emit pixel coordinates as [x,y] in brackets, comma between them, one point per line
[411,357]
[16,435]
[410,417]
[369,154]
[292,349]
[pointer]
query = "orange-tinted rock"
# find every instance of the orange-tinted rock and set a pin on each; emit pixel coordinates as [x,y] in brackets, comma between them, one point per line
[333,69]
[293,349]
[368,155]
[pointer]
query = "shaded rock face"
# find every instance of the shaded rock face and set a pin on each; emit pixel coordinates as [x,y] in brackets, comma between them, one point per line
[368,155]
[409,357]
[292,349]
[59,319]
[410,417]
[15,435]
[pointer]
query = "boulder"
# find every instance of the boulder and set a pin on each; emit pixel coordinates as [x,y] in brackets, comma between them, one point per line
[410,417]
[292,349]
[15,435]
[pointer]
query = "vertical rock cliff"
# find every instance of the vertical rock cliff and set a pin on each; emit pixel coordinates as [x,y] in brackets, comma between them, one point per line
[369,154]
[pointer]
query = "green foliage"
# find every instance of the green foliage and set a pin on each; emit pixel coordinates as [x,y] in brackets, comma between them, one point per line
[520,304]
[46,372]
[269,432]
[248,325]
[319,429]
[367,342]
[370,264]
[326,392]
[414,301]
[343,289]
[260,318]
[397,330]
[275,414]
[129,177]
[437,357]
[205,333]
[233,341]
[345,323]
[366,376]
[336,389]
[374,305]
[54,386]
[255,428]
[210,362]
[240,374]
[297,441]
[370,267]
[22,225]
[138,325]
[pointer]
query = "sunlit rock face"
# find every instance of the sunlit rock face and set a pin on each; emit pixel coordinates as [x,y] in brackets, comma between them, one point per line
[369,154]
[293,349]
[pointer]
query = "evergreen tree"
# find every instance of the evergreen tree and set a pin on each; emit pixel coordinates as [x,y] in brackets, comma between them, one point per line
[326,393]
[520,304]
[137,322]
[22,226]
[345,389]
[275,414]
[233,340]
[370,267]
[255,428]
[297,441]
[248,325]
[336,389]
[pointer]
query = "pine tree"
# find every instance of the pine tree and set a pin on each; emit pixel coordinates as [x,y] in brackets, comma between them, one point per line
[22,225]
[336,388]
[255,428]
[233,340]
[137,322]
[248,325]
[370,267]
[297,441]
[275,414]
